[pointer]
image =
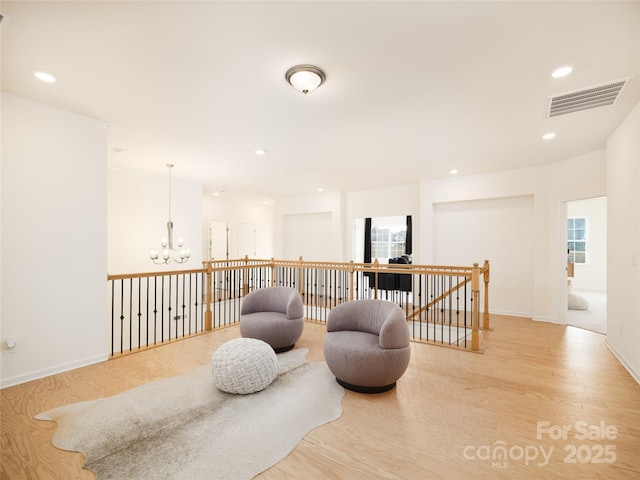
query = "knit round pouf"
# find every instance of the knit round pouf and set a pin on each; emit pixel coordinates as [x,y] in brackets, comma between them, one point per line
[244,365]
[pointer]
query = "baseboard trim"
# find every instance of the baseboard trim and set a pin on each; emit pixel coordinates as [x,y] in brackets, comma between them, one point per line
[531,316]
[508,313]
[28,377]
[625,364]
[546,319]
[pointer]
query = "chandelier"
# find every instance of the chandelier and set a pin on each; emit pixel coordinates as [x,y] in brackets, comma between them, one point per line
[168,253]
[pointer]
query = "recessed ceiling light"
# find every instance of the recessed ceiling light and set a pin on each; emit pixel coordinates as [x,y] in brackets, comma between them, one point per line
[260,151]
[548,136]
[320,189]
[45,77]
[562,71]
[453,171]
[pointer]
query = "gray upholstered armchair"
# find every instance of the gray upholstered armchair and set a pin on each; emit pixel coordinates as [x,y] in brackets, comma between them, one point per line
[367,346]
[274,315]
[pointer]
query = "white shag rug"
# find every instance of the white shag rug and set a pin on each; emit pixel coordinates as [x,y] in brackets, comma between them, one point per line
[185,428]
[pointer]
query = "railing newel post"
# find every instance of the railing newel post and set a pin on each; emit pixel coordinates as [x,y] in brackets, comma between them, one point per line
[208,314]
[485,315]
[475,313]
[245,286]
[273,271]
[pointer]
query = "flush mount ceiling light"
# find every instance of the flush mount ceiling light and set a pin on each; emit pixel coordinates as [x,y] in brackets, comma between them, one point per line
[548,136]
[305,78]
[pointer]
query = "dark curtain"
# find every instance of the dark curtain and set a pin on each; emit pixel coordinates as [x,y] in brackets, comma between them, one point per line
[408,246]
[367,251]
[367,240]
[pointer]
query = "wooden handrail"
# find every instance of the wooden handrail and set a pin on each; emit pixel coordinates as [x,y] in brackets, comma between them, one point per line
[126,276]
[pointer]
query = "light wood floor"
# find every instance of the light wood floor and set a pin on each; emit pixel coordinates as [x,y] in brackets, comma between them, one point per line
[448,412]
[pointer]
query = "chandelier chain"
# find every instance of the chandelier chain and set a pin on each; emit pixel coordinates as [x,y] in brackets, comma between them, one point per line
[170,165]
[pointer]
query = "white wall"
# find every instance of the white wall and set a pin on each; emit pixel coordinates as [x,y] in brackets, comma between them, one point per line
[138,210]
[303,234]
[471,231]
[623,247]
[54,252]
[593,274]
[236,211]
[328,204]
[551,186]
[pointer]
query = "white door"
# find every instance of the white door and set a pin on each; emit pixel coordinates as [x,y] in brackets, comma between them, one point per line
[247,240]
[218,240]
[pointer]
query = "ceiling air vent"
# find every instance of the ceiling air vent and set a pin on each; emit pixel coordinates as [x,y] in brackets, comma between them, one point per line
[586,98]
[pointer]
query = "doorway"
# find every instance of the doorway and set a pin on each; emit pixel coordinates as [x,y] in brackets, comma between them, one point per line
[218,240]
[586,234]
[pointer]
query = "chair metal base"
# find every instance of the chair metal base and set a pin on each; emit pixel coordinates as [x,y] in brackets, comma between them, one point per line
[284,349]
[361,389]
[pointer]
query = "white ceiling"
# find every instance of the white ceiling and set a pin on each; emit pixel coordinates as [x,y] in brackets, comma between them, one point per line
[413,89]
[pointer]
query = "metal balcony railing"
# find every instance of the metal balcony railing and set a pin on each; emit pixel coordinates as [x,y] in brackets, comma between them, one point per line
[442,304]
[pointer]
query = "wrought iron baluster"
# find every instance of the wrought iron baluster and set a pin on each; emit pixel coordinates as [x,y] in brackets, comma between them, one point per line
[139,313]
[147,314]
[130,314]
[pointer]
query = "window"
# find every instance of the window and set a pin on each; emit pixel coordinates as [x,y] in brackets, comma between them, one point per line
[382,238]
[388,241]
[577,235]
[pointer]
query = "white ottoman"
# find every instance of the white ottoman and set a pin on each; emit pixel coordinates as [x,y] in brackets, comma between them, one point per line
[577,302]
[244,365]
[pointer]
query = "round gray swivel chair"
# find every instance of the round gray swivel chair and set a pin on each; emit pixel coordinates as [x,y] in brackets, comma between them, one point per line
[367,346]
[274,315]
